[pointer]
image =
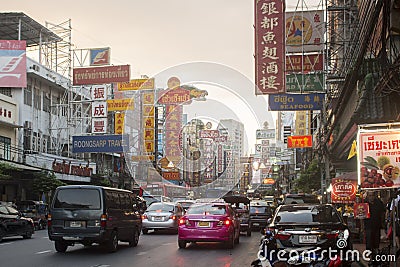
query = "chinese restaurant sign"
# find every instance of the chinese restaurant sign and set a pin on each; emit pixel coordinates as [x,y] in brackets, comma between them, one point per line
[12,63]
[100,75]
[296,102]
[299,141]
[269,46]
[379,158]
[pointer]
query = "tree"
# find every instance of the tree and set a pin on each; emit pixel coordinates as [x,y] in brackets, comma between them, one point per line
[6,171]
[45,182]
[310,178]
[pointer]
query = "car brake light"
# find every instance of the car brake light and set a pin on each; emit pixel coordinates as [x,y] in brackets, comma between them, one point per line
[103,220]
[282,236]
[49,220]
[144,216]
[332,235]
[173,217]
[182,221]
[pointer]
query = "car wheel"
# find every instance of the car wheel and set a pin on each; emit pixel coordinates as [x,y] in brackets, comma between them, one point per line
[181,244]
[248,232]
[112,244]
[145,231]
[231,242]
[135,239]
[60,246]
[28,234]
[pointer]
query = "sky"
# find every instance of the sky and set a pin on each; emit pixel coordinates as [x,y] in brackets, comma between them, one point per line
[208,43]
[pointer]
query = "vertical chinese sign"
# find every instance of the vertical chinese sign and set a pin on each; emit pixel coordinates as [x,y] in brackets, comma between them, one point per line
[149,134]
[269,47]
[12,63]
[99,108]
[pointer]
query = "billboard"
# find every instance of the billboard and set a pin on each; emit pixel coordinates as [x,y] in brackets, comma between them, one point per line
[269,46]
[99,56]
[293,102]
[136,84]
[299,141]
[305,63]
[120,104]
[312,82]
[100,75]
[305,31]
[99,143]
[344,189]
[12,63]
[379,158]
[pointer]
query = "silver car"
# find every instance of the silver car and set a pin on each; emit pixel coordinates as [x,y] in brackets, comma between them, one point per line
[162,215]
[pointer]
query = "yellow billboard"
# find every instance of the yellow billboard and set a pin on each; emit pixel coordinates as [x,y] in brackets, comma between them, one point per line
[120,104]
[136,84]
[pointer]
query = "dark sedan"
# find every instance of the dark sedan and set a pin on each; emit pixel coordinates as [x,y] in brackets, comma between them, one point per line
[12,224]
[305,225]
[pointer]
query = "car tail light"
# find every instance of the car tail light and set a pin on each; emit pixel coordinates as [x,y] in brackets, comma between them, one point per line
[49,220]
[282,236]
[144,217]
[173,217]
[182,221]
[103,220]
[333,235]
[226,222]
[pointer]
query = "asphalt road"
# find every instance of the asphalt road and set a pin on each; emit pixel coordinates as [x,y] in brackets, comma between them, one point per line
[154,249]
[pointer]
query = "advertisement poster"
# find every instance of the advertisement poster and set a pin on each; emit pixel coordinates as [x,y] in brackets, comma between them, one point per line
[361,211]
[379,158]
[12,63]
[343,190]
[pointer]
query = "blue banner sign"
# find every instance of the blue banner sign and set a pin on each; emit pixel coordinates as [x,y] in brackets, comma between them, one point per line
[296,102]
[100,143]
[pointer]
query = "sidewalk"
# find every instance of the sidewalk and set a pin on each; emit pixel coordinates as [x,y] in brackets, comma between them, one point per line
[361,248]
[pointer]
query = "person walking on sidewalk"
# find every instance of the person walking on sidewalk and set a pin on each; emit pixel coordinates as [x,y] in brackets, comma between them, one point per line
[373,224]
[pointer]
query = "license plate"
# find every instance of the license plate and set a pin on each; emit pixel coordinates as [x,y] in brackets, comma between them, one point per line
[204,224]
[76,224]
[308,239]
[256,224]
[157,219]
[71,238]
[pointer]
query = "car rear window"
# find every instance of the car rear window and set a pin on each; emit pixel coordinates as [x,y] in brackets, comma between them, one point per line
[317,214]
[158,206]
[260,209]
[207,209]
[78,198]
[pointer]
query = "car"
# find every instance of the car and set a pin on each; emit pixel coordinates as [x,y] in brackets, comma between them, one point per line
[88,214]
[13,224]
[161,216]
[241,206]
[209,222]
[260,212]
[36,210]
[309,225]
[155,198]
[300,198]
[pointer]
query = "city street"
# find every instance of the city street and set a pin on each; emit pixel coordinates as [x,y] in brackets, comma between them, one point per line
[154,249]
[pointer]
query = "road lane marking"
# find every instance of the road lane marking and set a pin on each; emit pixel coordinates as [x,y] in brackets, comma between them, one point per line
[42,252]
[141,253]
[167,244]
[2,244]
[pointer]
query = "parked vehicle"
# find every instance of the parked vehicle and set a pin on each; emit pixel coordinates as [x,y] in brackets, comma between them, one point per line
[88,214]
[260,212]
[36,210]
[161,216]
[242,209]
[13,224]
[304,225]
[209,222]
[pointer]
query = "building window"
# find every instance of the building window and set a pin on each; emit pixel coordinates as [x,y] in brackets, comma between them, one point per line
[6,91]
[5,147]
[36,99]
[46,103]
[28,95]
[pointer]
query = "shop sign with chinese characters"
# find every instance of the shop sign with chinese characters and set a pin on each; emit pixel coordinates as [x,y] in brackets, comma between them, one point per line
[269,46]
[299,141]
[293,102]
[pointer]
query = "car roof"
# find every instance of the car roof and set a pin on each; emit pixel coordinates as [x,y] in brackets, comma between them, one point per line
[305,206]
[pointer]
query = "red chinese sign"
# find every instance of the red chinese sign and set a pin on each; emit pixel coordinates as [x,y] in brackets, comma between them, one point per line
[269,47]
[299,141]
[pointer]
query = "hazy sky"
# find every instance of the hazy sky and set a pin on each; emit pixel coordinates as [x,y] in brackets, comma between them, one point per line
[161,38]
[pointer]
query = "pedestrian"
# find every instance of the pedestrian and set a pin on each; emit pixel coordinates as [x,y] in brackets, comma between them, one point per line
[373,224]
[395,218]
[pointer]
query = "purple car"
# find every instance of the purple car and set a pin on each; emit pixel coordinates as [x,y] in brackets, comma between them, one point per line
[209,222]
